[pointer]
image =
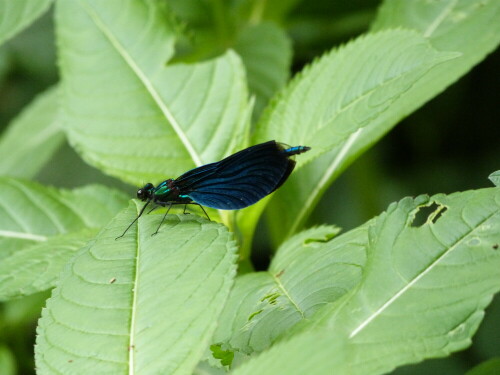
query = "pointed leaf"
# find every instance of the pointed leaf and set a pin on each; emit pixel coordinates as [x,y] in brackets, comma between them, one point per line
[19,14]
[342,103]
[423,293]
[32,138]
[140,304]
[349,90]
[495,178]
[129,114]
[444,28]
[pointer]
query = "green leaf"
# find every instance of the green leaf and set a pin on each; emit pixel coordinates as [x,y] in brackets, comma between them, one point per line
[445,23]
[7,361]
[266,52]
[129,114]
[19,14]
[313,352]
[347,93]
[341,104]
[35,268]
[495,178]
[32,138]
[308,271]
[423,292]
[225,356]
[141,304]
[490,367]
[31,213]
[445,29]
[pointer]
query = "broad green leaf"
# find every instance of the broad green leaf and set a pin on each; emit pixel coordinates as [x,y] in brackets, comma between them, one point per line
[349,91]
[490,367]
[7,361]
[495,178]
[308,271]
[35,268]
[32,138]
[266,52]
[445,30]
[141,304]
[19,14]
[31,213]
[422,295]
[341,104]
[128,113]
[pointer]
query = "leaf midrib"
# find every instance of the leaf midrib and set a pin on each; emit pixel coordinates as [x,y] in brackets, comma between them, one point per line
[282,288]
[22,235]
[133,309]
[439,19]
[324,180]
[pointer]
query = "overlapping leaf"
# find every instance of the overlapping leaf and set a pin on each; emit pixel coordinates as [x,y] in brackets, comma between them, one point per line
[338,106]
[351,134]
[350,90]
[129,114]
[41,227]
[140,304]
[32,138]
[36,267]
[423,292]
[308,271]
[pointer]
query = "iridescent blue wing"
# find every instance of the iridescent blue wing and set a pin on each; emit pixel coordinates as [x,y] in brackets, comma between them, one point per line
[239,180]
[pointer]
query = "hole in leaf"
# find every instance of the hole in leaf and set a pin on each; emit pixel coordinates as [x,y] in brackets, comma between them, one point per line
[271,298]
[428,214]
[254,314]
[326,238]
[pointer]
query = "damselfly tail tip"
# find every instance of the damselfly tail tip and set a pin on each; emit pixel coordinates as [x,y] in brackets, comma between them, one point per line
[296,150]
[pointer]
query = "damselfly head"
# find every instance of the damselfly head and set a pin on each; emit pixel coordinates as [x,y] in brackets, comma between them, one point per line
[145,192]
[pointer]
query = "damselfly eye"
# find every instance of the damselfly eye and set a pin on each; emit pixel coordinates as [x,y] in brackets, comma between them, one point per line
[144,192]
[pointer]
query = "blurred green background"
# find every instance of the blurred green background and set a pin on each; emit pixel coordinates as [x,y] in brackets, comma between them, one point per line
[451,144]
